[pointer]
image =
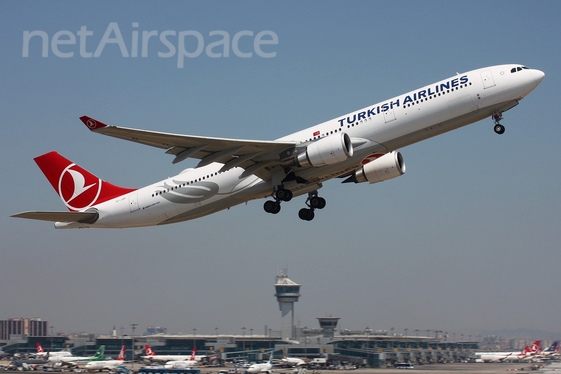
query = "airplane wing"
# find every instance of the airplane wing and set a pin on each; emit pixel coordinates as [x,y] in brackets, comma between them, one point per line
[83,217]
[256,157]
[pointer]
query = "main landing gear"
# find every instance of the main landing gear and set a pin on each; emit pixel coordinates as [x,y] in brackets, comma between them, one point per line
[282,194]
[497,116]
[313,202]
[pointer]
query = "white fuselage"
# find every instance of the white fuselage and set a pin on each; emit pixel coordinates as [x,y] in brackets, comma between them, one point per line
[394,123]
[500,356]
[180,364]
[260,368]
[100,365]
[167,358]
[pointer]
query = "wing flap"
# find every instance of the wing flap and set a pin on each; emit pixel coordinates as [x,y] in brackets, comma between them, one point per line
[82,217]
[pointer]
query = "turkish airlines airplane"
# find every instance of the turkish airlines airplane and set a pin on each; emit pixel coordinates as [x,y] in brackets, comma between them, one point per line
[360,147]
[527,353]
[42,353]
[152,356]
[183,364]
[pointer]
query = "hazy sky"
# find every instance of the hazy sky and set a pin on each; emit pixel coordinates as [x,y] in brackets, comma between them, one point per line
[467,238]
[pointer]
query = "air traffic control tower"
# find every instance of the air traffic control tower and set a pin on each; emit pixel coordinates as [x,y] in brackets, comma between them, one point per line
[287,293]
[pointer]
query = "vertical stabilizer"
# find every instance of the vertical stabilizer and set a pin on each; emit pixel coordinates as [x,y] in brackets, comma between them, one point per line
[78,188]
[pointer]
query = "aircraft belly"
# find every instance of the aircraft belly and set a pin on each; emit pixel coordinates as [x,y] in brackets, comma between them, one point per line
[232,192]
[442,127]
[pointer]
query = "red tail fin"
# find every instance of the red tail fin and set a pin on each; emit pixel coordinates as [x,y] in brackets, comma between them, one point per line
[192,358]
[39,348]
[78,188]
[121,356]
[149,351]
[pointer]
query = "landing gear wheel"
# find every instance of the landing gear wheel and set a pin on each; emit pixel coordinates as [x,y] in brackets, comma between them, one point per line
[283,194]
[272,207]
[317,202]
[306,214]
[499,129]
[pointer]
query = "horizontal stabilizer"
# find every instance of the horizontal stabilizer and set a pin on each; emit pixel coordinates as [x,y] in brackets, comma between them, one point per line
[82,217]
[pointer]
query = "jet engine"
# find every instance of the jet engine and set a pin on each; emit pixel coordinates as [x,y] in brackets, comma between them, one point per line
[388,166]
[326,151]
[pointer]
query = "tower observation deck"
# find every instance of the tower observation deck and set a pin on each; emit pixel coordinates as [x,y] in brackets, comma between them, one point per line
[287,293]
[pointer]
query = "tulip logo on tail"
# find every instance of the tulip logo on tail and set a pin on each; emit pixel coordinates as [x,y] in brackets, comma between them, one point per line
[76,191]
[149,351]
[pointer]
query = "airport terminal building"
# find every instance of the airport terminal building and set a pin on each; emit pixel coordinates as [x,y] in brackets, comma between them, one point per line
[325,345]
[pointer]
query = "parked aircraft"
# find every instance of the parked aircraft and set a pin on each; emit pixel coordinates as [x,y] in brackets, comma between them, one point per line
[29,362]
[42,353]
[294,361]
[359,147]
[107,364]
[152,356]
[79,360]
[552,350]
[266,367]
[509,356]
[182,364]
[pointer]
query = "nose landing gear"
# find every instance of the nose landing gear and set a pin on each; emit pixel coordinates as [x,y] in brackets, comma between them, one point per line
[497,116]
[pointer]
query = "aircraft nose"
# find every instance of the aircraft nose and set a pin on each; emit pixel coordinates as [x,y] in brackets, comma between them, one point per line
[539,76]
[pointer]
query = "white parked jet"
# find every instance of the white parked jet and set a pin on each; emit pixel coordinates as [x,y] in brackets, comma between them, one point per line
[293,361]
[183,364]
[79,360]
[107,364]
[42,353]
[525,354]
[359,146]
[265,367]
[153,357]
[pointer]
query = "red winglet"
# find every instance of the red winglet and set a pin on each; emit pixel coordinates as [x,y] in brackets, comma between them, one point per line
[92,124]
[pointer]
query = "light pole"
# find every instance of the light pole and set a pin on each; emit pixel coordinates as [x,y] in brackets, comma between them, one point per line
[243,339]
[133,327]
[194,338]
[367,330]
[250,339]
[406,341]
[122,341]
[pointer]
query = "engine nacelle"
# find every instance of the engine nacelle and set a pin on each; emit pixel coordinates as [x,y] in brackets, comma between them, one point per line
[326,151]
[388,166]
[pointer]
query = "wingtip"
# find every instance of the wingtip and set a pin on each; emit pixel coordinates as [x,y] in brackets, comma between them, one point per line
[91,123]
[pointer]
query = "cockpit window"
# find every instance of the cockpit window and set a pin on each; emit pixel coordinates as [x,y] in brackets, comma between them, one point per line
[518,68]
